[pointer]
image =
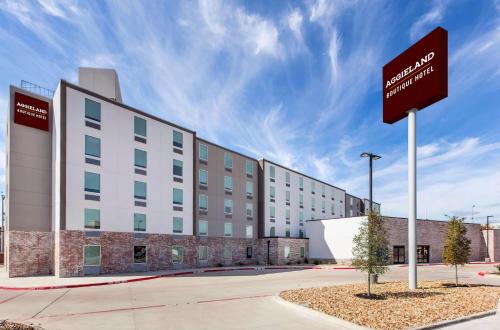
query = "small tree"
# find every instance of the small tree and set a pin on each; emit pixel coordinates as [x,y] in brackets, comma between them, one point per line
[456,245]
[370,250]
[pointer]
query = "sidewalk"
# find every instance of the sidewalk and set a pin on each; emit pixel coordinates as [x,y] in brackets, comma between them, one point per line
[52,282]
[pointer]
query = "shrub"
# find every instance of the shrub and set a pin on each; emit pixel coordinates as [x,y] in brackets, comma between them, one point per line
[498,267]
[220,264]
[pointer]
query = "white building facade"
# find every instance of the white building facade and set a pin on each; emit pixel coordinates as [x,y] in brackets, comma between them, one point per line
[291,198]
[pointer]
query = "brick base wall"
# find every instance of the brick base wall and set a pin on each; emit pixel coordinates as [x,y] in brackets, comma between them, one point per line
[432,233]
[117,252]
[277,250]
[29,253]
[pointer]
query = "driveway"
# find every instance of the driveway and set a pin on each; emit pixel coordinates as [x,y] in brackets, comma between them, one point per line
[229,300]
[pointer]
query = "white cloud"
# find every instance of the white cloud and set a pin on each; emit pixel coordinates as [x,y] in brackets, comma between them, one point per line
[451,177]
[321,9]
[429,20]
[294,21]
[333,53]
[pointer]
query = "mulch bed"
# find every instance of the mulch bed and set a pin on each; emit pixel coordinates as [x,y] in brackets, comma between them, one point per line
[8,325]
[396,307]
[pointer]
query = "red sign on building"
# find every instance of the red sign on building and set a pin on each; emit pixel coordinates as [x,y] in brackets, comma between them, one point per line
[30,111]
[416,78]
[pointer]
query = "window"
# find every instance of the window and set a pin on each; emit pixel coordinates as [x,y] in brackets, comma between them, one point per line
[301,217]
[287,196]
[203,202]
[249,167]
[140,158]
[140,190]
[228,161]
[177,167]
[313,202]
[203,178]
[203,151]
[249,252]
[203,253]
[228,206]
[313,187]
[92,146]
[92,219]
[228,253]
[228,229]
[272,193]
[249,188]
[302,252]
[139,222]
[272,212]
[249,210]
[139,254]
[272,172]
[228,183]
[177,139]
[91,255]
[301,200]
[177,254]
[249,231]
[140,126]
[301,233]
[177,196]
[287,232]
[202,227]
[272,232]
[287,252]
[92,182]
[333,208]
[287,178]
[178,224]
[323,190]
[301,183]
[287,215]
[323,207]
[92,110]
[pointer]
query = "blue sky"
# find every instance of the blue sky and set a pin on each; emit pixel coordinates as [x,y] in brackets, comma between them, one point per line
[296,82]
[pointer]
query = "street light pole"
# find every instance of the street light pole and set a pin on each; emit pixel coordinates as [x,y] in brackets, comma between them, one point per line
[488,236]
[371,158]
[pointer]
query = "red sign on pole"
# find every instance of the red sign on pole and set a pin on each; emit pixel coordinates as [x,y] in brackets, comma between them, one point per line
[30,111]
[416,78]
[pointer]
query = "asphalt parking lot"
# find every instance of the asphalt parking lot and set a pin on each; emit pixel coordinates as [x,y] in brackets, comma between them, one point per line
[223,300]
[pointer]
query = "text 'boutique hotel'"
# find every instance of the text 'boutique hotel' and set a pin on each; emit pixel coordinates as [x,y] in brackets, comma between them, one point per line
[96,186]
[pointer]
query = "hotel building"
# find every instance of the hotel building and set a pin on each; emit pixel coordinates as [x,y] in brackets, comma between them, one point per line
[96,186]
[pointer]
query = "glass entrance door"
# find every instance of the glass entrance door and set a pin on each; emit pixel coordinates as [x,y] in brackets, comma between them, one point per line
[423,254]
[398,254]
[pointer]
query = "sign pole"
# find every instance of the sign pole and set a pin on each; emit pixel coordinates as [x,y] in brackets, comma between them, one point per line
[412,198]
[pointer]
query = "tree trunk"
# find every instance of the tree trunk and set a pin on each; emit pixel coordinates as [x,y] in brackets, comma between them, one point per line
[369,285]
[456,275]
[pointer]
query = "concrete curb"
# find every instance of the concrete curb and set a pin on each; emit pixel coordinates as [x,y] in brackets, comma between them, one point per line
[153,277]
[455,321]
[315,315]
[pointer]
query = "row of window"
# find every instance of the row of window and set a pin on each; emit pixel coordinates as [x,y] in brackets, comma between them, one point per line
[92,254]
[272,232]
[228,182]
[228,159]
[272,175]
[93,112]
[228,206]
[93,185]
[93,148]
[93,221]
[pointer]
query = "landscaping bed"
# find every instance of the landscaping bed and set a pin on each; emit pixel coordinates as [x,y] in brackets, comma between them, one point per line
[8,325]
[396,307]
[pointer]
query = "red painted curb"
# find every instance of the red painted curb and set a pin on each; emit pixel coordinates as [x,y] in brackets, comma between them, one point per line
[343,268]
[146,278]
[481,273]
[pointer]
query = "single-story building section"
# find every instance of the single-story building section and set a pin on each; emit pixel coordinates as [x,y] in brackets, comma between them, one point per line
[331,240]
